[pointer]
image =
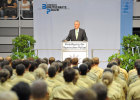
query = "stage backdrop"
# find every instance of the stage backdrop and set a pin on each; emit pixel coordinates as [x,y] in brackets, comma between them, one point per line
[54,18]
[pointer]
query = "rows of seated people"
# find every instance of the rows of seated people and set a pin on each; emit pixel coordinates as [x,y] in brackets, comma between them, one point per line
[50,79]
[9,8]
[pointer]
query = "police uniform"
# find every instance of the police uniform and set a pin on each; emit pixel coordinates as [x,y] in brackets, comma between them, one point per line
[133,77]
[113,94]
[124,86]
[52,83]
[93,76]
[81,84]
[29,76]
[59,78]
[123,74]
[97,70]
[136,83]
[134,93]
[86,80]
[65,91]
[5,86]
[18,79]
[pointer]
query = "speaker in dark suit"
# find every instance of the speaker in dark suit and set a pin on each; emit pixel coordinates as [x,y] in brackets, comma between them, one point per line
[77,34]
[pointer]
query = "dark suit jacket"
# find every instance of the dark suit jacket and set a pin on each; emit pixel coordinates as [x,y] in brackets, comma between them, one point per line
[81,35]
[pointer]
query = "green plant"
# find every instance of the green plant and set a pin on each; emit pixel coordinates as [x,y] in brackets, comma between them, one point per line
[23,47]
[131,52]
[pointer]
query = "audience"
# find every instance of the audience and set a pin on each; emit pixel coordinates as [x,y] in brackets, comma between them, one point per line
[10,9]
[61,81]
[83,69]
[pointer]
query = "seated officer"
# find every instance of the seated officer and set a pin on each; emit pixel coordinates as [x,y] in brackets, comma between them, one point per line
[4,75]
[101,91]
[91,75]
[20,69]
[114,93]
[39,90]
[83,68]
[134,89]
[51,80]
[27,74]
[95,68]
[78,82]
[86,94]
[133,76]
[57,76]
[117,79]
[68,89]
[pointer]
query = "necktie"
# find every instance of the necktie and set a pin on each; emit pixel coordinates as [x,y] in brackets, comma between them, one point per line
[76,34]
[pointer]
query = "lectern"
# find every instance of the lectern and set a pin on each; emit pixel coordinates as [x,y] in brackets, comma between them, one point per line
[73,49]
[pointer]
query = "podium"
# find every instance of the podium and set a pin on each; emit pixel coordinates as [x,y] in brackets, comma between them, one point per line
[74,49]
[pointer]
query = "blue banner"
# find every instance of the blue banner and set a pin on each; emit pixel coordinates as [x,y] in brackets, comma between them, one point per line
[126,18]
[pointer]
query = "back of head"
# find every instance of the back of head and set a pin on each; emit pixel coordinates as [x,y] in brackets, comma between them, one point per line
[15,63]
[65,64]
[96,60]
[39,89]
[4,75]
[89,65]
[118,61]
[108,70]
[137,66]
[83,68]
[26,63]
[75,61]
[69,61]
[86,94]
[8,58]
[107,78]
[39,73]
[8,95]
[38,61]
[22,90]
[33,66]
[52,71]
[69,74]
[5,62]
[56,65]
[1,59]
[60,64]
[85,60]
[44,67]
[20,69]
[51,60]
[101,91]
[9,69]
[116,70]
[46,59]
[110,64]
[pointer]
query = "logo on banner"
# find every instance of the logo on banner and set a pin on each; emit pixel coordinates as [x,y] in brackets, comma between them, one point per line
[52,7]
[126,6]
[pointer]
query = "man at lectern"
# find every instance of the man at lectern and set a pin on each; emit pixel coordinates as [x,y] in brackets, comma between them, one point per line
[77,34]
